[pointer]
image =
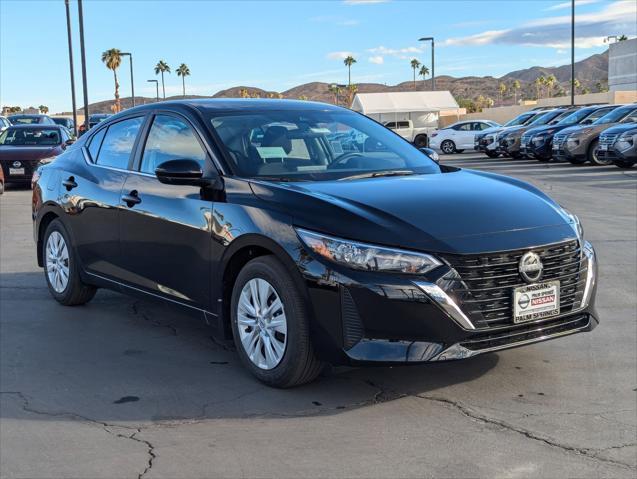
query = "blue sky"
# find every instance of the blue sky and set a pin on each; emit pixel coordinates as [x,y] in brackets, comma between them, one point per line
[279,44]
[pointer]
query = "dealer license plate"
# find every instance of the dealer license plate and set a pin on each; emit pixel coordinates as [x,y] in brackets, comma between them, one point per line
[536,301]
[16,171]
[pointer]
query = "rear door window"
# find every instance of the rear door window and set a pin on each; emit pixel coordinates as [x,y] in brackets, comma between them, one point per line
[118,143]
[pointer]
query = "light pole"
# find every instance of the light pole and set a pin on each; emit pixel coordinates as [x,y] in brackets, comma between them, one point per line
[68,31]
[83,56]
[156,86]
[433,69]
[572,52]
[132,82]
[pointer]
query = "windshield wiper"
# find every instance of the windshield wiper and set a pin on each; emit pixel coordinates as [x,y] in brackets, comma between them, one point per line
[377,174]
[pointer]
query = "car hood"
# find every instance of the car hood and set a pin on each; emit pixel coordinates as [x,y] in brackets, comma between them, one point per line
[26,153]
[457,212]
[619,129]
[547,128]
[587,129]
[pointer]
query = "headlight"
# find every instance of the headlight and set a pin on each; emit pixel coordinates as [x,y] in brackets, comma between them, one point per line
[577,224]
[539,139]
[626,140]
[367,257]
[572,142]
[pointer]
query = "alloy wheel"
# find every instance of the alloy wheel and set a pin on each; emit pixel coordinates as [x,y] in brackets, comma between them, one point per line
[262,324]
[447,147]
[57,262]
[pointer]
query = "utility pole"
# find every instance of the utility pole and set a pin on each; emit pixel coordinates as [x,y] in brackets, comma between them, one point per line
[433,66]
[572,52]
[83,55]
[132,81]
[68,31]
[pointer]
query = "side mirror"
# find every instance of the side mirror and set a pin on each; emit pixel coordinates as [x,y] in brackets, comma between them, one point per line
[69,142]
[182,172]
[587,122]
[431,154]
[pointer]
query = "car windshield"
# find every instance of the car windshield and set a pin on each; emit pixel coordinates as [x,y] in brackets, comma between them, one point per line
[520,119]
[545,118]
[28,137]
[615,115]
[302,145]
[576,117]
[24,120]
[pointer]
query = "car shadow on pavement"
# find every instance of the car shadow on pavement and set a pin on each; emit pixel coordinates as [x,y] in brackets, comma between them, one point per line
[122,359]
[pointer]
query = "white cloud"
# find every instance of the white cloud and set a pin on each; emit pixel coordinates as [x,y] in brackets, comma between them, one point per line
[565,5]
[395,52]
[377,59]
[590,28]
[338,55]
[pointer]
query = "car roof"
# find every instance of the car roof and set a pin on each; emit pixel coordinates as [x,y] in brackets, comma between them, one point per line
[35,126]
[237,104]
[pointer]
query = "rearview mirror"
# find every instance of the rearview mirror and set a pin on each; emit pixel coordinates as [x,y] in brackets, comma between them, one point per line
[431,154]
[182,172]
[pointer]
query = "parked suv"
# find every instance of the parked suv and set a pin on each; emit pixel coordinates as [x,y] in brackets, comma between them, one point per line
[301,251]
[485,140]
[508,141]
[537,142]
[578,144]
[619,145]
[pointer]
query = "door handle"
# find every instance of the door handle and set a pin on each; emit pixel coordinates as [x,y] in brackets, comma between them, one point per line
[69,183]
[131,199]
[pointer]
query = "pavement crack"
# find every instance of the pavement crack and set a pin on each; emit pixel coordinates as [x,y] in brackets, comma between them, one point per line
[106,427]
[467,412]
[138,312]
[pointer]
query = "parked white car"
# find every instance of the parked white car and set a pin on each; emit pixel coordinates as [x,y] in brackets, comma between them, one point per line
[458,137]
[416,134]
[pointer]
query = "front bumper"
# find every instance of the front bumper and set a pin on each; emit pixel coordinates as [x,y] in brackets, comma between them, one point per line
[387,319]
[532,150]
[27,167]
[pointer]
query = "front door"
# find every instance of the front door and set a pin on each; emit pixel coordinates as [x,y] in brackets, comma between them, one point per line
[165,230]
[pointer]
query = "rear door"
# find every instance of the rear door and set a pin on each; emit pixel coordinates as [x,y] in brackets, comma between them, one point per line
[463,136]
[91,195]
[166,230]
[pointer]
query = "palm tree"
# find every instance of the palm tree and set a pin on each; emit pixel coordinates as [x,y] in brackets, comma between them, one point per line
[516,87]
[43,109]
[550,83]
[622,38]
[183,71]
[502,90]
[349,61]
[335,90]
[415,64]
[112,58]
[424,71]
[162,67]
[539,82]
[577,84]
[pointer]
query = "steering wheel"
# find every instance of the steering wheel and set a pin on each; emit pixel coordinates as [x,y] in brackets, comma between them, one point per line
[339,162]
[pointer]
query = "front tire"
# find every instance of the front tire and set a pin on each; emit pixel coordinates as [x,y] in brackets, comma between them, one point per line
[593,158]
[448,147]
[271,325]
[61,268]
[492,154]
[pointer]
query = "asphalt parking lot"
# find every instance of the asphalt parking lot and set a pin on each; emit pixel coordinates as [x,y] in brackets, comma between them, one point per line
[126,388]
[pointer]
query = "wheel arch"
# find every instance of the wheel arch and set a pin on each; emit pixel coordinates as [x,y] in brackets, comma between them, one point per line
[242,250]
[41,226]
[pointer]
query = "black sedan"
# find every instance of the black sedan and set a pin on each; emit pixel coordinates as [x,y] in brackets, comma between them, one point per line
[251,214]
[22,147]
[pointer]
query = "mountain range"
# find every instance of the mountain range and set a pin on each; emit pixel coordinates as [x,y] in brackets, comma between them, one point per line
[591,72]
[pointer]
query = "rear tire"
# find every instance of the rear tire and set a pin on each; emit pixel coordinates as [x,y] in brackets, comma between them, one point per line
[61,268]
[448,147]
[273,344]
[420,141]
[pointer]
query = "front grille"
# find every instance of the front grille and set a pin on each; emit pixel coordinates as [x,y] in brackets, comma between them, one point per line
[487,281]
[526,139]
[527,332]
[559,139]
[608,139]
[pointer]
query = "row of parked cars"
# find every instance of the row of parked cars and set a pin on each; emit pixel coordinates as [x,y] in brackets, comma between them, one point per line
[26,139]
[598,134]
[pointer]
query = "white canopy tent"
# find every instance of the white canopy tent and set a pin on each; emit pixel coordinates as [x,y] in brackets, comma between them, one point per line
[422,107]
